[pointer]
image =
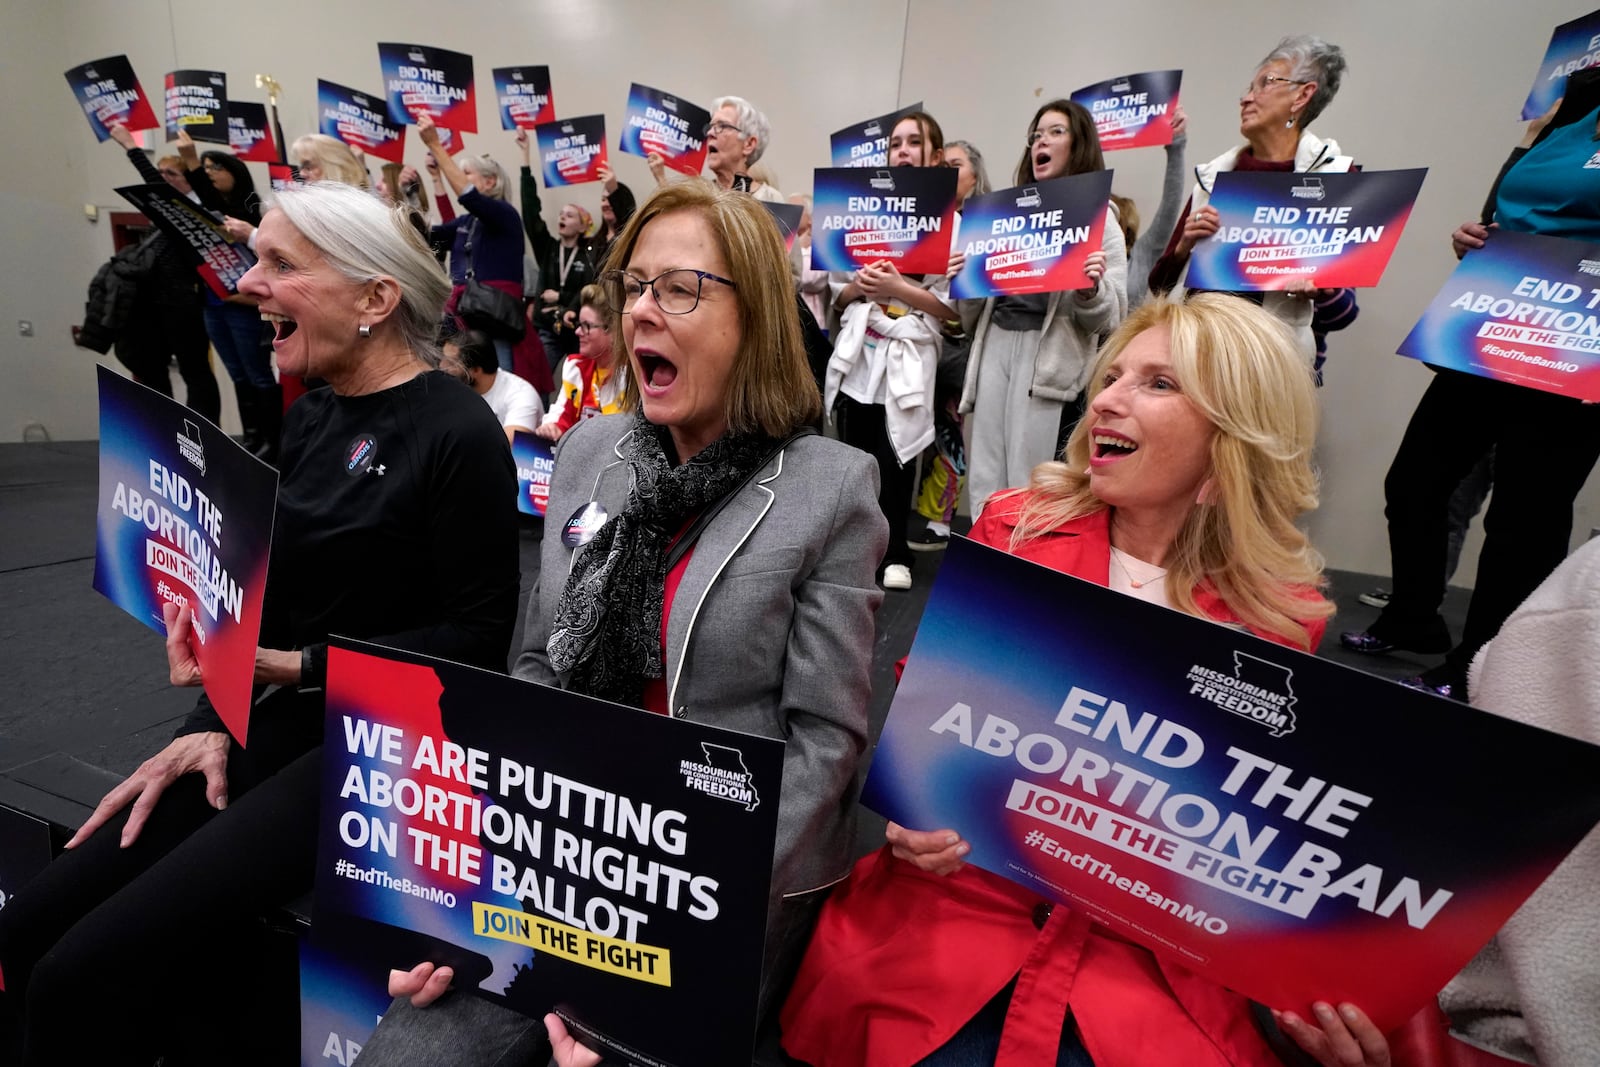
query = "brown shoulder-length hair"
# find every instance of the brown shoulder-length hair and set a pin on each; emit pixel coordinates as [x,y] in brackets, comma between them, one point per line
[770,388]
[1083,156]
[932,136]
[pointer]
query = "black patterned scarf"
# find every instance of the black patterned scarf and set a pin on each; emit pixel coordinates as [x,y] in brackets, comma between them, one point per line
[605,640]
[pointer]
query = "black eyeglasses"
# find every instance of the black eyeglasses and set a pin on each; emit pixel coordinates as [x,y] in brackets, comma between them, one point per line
[676,292]
[589,327]
[716,126]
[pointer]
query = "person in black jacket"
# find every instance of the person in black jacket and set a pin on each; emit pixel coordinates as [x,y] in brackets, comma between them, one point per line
[166,321]
[568,260]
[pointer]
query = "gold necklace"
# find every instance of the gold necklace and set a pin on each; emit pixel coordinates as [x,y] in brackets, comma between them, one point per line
[1116,557]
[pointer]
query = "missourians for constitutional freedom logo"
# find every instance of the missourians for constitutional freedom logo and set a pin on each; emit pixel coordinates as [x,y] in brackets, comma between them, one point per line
[1256,690]
[722,775]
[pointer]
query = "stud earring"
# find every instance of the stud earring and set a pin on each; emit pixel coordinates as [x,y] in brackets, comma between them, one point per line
[1288,123]
[364,331]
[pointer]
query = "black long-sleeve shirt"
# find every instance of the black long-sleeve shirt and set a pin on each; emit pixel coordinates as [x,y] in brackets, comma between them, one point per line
[397,524]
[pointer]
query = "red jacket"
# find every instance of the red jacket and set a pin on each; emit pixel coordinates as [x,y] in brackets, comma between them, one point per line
[902,959]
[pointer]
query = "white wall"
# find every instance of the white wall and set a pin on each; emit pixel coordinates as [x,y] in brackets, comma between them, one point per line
[1434,83]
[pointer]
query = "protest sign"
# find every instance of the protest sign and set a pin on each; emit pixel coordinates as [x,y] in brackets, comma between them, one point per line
[185,517]
[1521,309]
[524,96]
[1574,46]
[1134,111]
[195,231]
[197,104]
[343,995]
[110,96]
[572,151]
[1034,238]
[905,215]
[248,133]
[282,176]
[561,853]
[667,125]
[535,463]
[788,217]
[1288,827]
[1338,230]
[866,144]
[360,120]
[420,80]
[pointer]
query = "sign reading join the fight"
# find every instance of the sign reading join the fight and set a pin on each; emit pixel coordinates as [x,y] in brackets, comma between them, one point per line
[197,104]
[572,151]
[535,463]
[1034,238]
[1288,827]
[1134,111]
[185,517]
[524,96]
[667,125]
[866,144]
[110,96]
[1338,230]
[1574,46]
[420,80]
[561,853]
[1523,309]
[905,215]
[360,120]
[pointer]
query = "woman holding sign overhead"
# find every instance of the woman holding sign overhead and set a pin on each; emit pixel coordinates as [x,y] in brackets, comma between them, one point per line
[1289,89]
[1031,353]
[149,926]
[1180,486]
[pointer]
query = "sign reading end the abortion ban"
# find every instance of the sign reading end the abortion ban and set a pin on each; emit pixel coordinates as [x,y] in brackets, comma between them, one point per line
[1275,229]
[1523,309]
[905,215]
[561,853]
[1034,238]
[1288,827]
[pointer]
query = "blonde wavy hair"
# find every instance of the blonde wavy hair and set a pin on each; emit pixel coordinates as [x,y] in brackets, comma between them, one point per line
[1239,367]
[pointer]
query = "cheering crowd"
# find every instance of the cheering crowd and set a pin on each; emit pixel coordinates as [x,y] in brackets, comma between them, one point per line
[747,433]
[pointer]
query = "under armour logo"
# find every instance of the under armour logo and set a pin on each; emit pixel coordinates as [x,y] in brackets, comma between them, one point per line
[378,470]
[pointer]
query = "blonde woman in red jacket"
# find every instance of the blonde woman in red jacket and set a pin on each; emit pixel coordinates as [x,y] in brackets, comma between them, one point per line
[1180,486]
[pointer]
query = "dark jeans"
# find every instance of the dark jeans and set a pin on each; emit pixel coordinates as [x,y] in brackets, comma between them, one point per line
[864,427]
[115,955]
[978,1043]
[1544,447]
[157,333]
[243,343]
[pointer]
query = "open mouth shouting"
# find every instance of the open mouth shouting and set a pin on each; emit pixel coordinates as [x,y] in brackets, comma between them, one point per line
[1041,161]
[656,372]
[1108,446]
[282,326]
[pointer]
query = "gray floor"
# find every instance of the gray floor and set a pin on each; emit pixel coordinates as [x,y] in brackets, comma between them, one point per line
[81,679]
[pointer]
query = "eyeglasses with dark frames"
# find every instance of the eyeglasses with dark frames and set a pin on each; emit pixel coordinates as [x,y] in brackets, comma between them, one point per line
[717,126]
[676,292]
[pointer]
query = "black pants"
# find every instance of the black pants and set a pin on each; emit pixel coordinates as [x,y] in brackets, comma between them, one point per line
[156,334]
[1544,448]
[112,956]
[864,426]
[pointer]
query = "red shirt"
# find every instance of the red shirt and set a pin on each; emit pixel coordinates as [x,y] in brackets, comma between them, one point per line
[902,959]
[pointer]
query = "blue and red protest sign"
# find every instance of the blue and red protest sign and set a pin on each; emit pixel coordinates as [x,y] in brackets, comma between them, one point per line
[360,120]
[1521,309]
[1574,46]
[866,144]
[1288,827]
[185,517]
[110,96]
[535,463]
[197,104]
[788,217]
[1032,239]
[343,994]
[905,215]
[1134,111]
[667,125]
[561,853]
[248,133]
[219,261]
[1338,230]
[572,151]
[524,97]
[420,80]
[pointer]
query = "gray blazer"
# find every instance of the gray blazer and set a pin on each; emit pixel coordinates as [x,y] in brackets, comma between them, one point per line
[771,629]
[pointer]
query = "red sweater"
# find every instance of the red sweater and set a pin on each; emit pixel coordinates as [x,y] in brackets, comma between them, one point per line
[902,959]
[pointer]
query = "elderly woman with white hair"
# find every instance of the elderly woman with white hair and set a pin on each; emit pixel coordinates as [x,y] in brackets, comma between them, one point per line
[486,244]
[1289,90]
[148,923]
[736,138]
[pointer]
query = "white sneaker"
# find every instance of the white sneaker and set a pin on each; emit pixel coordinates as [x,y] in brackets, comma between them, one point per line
[897,576]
